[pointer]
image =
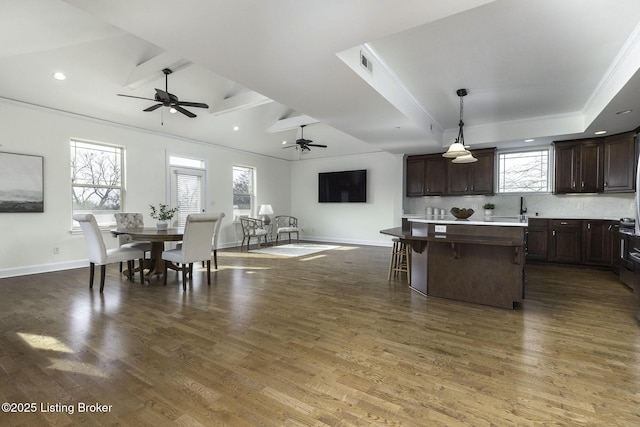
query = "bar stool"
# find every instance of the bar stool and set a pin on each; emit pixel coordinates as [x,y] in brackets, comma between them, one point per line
[400,259]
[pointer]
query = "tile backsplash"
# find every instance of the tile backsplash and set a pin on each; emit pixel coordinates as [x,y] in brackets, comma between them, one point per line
[595,206]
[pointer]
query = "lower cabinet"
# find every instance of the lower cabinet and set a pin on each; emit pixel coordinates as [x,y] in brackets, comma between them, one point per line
[573,241]
[597,250]
[565,244]
[537,239]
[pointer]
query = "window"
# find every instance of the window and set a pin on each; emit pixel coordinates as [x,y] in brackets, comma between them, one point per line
[97,180]
[187,186]
[243,191]
[524,171]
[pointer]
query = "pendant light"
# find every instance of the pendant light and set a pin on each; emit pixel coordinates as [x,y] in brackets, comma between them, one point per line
[457,150]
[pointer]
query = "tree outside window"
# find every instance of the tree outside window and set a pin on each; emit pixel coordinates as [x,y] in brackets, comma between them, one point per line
[524,171]
[96,180]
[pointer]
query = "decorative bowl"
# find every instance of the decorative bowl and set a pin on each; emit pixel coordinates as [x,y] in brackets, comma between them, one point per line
[461,213]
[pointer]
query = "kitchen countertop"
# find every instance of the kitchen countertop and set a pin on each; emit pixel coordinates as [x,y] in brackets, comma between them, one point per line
[481,220]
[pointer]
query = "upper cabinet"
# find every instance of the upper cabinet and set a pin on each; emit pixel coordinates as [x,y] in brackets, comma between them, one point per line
[434,175]
[426,175]
[472,178]
[579,166]
[620,162]
[596,165]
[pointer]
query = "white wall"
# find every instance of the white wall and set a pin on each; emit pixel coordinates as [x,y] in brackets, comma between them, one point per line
[349,222]
[28,239]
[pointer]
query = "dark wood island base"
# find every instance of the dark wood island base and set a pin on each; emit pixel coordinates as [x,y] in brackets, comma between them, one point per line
[475,262]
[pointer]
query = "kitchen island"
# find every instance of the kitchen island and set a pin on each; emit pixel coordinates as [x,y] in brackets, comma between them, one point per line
[476,261]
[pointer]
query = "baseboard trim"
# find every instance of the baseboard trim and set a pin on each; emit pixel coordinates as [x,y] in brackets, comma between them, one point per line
[43,268]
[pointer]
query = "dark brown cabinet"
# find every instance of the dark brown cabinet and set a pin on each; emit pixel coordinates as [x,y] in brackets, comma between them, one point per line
[426,175]
[620,163]
[415,176]
[565,241]
[596,236]
[537,239]
[579,166]
[472,178]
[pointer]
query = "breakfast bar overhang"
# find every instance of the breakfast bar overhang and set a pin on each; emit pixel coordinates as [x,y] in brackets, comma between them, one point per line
[480,262]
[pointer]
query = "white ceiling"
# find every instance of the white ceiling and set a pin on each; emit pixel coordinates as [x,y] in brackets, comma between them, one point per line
[542,69]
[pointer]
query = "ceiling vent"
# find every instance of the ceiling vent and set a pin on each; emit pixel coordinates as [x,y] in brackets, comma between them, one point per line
[366,63]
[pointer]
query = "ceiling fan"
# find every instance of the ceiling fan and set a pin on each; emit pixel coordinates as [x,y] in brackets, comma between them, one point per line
[166,99]
[304,144]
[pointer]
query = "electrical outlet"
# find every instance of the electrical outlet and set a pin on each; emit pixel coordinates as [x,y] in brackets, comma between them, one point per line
[56,251]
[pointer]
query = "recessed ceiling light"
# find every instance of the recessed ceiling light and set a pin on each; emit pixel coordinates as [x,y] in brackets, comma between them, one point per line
[236,128]
[601,132]
[529,140]
[284,142]
[624,111]
[58,75]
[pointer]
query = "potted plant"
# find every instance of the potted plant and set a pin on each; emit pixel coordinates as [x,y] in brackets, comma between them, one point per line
[163,214]
[488,209]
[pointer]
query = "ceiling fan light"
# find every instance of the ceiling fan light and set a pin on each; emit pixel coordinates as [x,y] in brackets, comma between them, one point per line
[173,110]
[467,158]
[456,150]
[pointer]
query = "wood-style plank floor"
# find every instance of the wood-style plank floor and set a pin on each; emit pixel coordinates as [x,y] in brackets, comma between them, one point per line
[317,340]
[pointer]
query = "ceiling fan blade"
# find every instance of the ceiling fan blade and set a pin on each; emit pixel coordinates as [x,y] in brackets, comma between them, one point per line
[153,107]
[303,141]
[137,97]
[192,104]
[183,111]
[317,145]
[290,146]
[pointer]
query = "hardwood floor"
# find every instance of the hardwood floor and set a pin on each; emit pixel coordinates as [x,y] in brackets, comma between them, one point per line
[318,340]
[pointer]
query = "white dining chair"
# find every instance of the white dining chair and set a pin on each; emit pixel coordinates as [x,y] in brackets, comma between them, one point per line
[214,242]
[196,246]
[100,255]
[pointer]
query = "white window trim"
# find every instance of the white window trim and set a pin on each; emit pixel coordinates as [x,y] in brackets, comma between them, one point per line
[123,187]
[550,170]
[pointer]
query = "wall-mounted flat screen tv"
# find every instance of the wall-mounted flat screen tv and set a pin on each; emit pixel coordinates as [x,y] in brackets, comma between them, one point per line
[342,187]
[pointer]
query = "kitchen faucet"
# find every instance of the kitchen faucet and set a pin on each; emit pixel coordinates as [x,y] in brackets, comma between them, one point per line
[523,210]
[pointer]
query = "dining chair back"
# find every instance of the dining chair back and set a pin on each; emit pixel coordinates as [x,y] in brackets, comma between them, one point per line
[214,242]
[126,220]
[100,255]
[196,245]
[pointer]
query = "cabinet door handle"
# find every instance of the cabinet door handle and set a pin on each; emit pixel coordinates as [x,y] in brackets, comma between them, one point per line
[582,184]
[563,223]
[553,233]
[573,184]
[606,184]
[589,226]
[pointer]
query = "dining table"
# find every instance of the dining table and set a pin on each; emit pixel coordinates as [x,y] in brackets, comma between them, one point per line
[157,238]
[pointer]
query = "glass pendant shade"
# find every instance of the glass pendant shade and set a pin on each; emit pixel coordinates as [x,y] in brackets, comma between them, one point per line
[467,158]
[456,150]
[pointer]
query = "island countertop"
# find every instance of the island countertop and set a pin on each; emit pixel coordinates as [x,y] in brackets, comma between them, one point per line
[503,221]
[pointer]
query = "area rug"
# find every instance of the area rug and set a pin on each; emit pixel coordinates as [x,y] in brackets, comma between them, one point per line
[294,249]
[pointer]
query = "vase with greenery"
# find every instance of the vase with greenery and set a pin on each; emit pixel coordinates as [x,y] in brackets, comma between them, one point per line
[163,214]
[488,209]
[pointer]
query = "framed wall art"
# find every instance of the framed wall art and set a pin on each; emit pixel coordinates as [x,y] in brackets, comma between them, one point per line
[21,183]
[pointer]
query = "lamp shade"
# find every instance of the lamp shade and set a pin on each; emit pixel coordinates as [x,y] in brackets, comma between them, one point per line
[467,158]
[265,210]
[456,150]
